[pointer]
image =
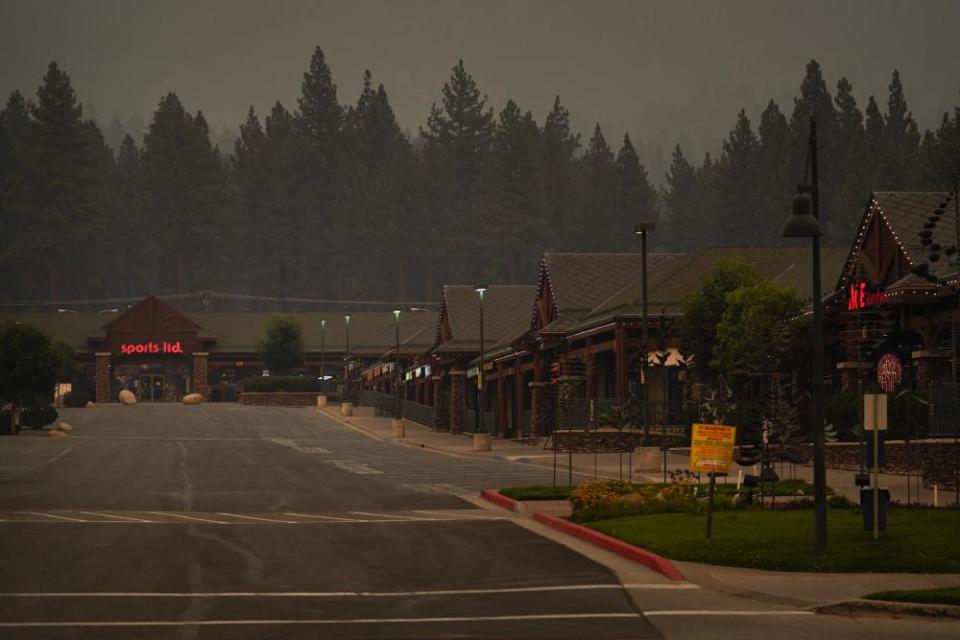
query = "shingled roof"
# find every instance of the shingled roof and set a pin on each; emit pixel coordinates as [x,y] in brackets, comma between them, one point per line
[670,281]
[578,282]
[906,214]
[505,309]
[416,336]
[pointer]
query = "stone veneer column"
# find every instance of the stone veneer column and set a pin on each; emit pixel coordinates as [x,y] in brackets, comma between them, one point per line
[458,400]
[537,390]
[200,384]
[440,409]
[102,385]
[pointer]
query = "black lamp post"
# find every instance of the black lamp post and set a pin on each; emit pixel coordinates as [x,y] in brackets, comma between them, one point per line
[642,229]
[323,350]
[398,414]
[479,426]
[803,224]
[346,354]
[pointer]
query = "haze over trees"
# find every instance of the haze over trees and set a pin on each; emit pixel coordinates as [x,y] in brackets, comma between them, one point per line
[331,199]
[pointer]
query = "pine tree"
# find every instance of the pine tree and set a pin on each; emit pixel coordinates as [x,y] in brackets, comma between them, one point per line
[636,197]
[681,198]
[15,131]
[598,218]
[939,152]
[249,164]
[846,209]
[901,141]
[560,147]
[778,183]
[457,145]
[183,194]
[740,207]
[128,220]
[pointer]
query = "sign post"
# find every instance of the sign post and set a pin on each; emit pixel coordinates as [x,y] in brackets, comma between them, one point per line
[711,450]
[875,419]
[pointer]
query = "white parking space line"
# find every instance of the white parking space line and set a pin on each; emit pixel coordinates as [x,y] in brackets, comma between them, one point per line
[50,515]
[457,516]
[113,515]
[323,621]
[312,515]
[273,520]
[391,516]
[180,515]
[312,594]
[661,585]
[709,612]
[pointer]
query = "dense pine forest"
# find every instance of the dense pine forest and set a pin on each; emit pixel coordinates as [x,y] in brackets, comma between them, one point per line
[329,200]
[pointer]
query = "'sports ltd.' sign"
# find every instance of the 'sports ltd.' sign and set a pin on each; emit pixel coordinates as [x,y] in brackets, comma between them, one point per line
[151,347]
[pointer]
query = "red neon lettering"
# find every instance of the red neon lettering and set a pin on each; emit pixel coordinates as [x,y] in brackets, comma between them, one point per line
[151,347]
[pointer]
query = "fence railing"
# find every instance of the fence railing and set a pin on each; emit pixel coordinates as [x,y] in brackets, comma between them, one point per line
[383,404]
[422,413]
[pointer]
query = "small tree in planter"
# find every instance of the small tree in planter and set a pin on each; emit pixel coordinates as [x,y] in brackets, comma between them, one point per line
[282,348]
[29,366]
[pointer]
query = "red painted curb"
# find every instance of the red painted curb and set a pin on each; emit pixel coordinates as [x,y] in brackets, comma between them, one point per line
[648,559]
[497,498]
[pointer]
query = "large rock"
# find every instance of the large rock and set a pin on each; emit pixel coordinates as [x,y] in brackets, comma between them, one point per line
[127,397]
[56,433]
[89,404]
[192,398]
[64,426]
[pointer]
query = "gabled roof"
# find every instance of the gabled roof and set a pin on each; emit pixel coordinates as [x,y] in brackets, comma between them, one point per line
[416,336]
[505,309]
[905,214]
[154,315]
[670,281]
[578,282]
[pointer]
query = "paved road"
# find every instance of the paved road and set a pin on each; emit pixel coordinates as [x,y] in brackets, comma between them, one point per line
[223,521]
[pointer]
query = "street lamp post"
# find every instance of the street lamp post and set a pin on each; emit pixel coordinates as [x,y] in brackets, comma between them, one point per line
[398,414]
[479,427]
[642,229]
[323,351]
[804,225]
[346,354]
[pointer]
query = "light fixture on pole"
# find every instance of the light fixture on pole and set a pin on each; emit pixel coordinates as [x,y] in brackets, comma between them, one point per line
[805,223]
[479,427]
[398,375]
[346,354]
[323,349]
[642,229]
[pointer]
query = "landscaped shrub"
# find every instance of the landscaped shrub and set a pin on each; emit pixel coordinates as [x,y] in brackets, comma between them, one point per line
[77,398]
[273,384]
[39,416]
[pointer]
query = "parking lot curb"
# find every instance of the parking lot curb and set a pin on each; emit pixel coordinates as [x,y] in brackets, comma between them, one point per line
[884,607]
[497,498]
[641,556]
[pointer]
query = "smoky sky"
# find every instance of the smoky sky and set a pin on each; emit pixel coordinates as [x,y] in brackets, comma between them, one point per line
[666,72]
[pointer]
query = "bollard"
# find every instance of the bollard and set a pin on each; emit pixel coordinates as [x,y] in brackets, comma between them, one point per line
[346,408]
[399,429]
[321,401]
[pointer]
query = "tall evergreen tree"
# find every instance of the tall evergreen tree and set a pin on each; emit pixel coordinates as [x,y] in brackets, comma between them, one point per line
[776,179]
[940,151]
[637,199]
[846,209]
[560,147]
[128,221]
[738,216]
[682,198]
[598,218]
[901,141]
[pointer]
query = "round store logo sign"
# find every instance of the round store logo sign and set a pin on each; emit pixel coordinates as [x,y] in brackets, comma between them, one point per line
[889,372]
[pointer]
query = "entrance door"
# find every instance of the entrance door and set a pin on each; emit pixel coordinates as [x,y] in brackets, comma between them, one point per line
[151,388]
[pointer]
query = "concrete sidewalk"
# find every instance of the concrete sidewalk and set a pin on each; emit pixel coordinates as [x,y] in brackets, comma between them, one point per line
[615,466]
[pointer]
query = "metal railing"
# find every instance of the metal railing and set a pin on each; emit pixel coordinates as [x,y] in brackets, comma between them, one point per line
[384,404]
[421,413]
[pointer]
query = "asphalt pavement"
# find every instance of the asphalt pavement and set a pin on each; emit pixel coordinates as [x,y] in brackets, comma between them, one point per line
[222,521]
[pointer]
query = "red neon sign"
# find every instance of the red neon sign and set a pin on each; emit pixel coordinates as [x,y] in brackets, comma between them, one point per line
[861,298]
[151,347]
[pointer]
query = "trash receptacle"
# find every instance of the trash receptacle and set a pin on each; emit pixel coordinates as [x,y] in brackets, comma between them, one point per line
[866,507]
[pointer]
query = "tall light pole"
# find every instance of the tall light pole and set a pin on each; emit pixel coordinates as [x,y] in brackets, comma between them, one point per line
[323,350]
[804,225]
[398,414]
[479,426]
[642,229]
[346,354]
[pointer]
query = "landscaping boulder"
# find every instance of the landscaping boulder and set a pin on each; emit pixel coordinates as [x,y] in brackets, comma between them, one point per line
[64,426]
[56,433]
[127,397]
[89,404]
[192,398]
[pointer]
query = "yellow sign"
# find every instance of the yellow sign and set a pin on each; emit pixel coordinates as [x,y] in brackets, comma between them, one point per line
[711,447]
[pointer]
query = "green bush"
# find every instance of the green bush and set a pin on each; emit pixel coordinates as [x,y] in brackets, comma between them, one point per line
[77,398]
[272,384]
[39,416]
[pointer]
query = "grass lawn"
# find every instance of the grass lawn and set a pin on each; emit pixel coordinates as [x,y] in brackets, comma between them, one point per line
[946,595]
[562,492]
[916,540]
